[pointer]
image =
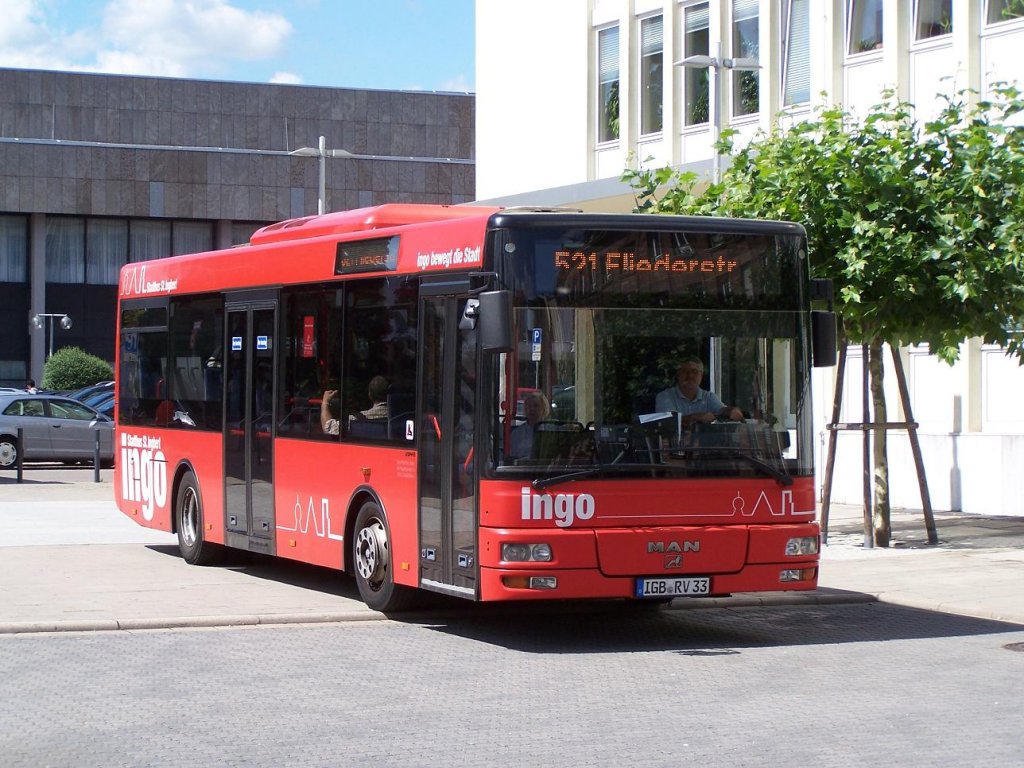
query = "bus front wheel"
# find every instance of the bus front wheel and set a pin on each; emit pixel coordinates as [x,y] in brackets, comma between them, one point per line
[188,512]
[371,560]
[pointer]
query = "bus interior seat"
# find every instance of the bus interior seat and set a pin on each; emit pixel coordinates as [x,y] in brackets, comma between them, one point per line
[376,429]
[555,440]
[401,406]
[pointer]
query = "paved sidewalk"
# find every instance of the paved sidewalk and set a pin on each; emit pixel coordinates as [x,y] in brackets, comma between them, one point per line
[70,561]
[976,569]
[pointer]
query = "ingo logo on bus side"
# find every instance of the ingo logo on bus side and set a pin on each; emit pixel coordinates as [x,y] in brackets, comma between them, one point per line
[143,472]
[563,508]
[457,257]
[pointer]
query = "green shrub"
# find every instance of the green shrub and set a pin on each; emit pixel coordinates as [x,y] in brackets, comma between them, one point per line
[72,368]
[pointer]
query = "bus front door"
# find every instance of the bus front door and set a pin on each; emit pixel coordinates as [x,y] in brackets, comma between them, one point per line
[249,425]
[447,482]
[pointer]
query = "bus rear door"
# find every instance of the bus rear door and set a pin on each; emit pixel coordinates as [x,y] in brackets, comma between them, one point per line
[249,420]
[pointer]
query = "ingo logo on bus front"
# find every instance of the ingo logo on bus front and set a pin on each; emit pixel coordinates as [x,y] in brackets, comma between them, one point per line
[563,508]
[143,472]
[134,283]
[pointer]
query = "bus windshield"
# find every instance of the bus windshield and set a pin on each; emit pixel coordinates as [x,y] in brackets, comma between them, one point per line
[606,318]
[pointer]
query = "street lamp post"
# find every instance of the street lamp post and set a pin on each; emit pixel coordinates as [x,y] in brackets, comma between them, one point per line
[716,64]
[39,321]
[321,153]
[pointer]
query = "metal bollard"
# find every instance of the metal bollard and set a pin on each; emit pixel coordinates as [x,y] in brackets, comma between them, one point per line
[96,459]
[21,451]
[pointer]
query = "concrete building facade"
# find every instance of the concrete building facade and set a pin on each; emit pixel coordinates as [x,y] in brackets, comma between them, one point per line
[572,93]
[100,170]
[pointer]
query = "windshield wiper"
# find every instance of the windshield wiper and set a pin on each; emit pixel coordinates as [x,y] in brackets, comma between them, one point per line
[545,482]
[780,475]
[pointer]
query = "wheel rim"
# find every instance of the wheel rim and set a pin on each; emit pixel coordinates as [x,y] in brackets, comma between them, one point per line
[190,517]
[372,553]
[8,454]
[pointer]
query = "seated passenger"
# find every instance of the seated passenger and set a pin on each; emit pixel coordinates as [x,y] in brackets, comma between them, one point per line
[378,391]
[329,409]
[535,406]
[694,404]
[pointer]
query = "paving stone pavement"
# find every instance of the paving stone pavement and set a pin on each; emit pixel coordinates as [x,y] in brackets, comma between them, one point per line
[69,560]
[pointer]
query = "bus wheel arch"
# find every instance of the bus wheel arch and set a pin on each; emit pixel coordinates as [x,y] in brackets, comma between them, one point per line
[370,561]
[187,519]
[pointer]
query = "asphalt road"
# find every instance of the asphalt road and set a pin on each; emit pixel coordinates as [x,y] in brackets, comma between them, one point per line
[852,684]
[837,685]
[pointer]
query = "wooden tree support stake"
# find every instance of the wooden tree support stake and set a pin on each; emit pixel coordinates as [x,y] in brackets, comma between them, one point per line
[834,427]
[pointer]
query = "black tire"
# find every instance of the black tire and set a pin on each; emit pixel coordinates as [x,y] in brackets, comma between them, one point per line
[372,565]
[188,519]
[8,452]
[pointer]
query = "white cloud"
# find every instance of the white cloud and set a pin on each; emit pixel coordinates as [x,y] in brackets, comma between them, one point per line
[176,38]
[285,78]
[457,83]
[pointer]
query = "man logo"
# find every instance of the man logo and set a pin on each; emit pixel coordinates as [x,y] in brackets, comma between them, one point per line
[674,562]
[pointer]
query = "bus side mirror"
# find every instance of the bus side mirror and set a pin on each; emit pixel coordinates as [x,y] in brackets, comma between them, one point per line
[823,338]
[495,321]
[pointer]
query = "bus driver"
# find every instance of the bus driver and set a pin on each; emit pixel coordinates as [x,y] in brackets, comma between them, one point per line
[694,404]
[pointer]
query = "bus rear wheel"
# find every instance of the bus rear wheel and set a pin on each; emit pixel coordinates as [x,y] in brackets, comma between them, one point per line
[188,513]
[372,563]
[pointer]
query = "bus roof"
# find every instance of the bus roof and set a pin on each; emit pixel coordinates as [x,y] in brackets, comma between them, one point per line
[365,219]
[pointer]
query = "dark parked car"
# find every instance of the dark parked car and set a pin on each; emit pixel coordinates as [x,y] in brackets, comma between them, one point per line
[54,429]
[85,393]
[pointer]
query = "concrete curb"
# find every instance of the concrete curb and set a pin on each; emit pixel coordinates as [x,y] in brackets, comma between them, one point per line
[760,600]
[817,597]
[180,622]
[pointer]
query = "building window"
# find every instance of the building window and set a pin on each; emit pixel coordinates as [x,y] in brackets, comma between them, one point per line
[149,239]
[13,249]
[745,45]
[696,43]
[652,62]
[106,250]
[608,84]
[65,250]
[242,231]
[932,18]
[796,53]
[1004,10]
[191,237]
[863,25]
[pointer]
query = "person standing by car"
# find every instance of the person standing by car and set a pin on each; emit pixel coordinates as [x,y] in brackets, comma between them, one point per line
[30,387]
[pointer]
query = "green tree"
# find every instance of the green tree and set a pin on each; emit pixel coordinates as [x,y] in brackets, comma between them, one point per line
[72,368]
[919,226]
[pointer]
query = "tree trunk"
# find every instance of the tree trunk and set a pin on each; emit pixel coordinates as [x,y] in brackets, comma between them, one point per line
[881,518]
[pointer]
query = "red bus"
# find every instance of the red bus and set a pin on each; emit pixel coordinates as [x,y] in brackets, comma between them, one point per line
[351,390]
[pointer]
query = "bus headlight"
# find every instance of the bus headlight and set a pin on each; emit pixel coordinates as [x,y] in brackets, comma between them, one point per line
[804,545]
[526,553]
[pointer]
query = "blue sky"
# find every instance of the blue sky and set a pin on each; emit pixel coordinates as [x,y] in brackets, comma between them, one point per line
[423,45]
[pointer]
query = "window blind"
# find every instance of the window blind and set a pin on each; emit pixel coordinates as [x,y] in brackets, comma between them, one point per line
[651,36]
[744,9]
[797,73]
[608,54]
[697,18]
